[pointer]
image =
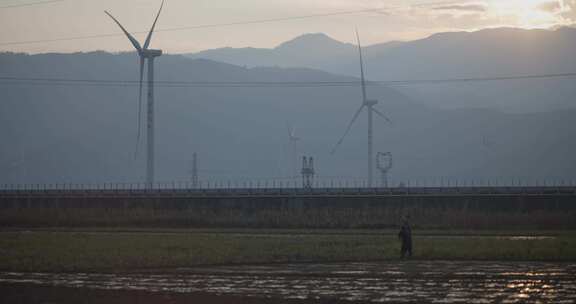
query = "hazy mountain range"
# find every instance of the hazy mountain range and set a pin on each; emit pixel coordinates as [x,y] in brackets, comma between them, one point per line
[76,131]
[317,51]
[486,53]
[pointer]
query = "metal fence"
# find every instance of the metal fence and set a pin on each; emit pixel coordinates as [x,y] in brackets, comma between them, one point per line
[295,186]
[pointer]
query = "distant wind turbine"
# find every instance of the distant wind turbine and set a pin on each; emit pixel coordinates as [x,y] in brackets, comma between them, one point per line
[293,141]
[369,104]
[150,55]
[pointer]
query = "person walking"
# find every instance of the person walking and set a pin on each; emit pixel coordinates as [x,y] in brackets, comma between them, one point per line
[405,236]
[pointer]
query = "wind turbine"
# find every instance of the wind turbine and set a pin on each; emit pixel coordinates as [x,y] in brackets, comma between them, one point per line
[293,141]
[369,105]
[146,54]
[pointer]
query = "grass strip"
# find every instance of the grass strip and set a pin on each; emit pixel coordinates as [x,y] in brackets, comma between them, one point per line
[133,251]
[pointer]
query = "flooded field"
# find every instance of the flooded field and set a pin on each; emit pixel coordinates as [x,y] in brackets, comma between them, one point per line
[392,282]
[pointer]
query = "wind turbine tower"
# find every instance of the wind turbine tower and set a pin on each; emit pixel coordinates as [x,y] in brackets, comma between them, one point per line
[370,109]
[149,55]
[293,146]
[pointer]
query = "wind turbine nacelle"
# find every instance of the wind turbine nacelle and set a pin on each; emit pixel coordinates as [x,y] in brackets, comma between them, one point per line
[152,53]
[371,102]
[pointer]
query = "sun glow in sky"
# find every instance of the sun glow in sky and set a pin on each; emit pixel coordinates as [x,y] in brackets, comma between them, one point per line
[528,13]
[394,20]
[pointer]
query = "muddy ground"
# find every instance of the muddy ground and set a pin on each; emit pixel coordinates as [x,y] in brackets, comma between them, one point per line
[378,282]
[33,294]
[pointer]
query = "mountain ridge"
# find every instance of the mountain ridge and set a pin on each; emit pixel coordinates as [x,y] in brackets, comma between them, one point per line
[499,52]
[83,133]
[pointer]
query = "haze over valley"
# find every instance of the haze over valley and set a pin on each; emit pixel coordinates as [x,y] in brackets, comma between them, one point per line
[85,131]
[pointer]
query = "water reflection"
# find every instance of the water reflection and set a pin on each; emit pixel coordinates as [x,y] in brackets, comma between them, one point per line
[435,282]
[529,238]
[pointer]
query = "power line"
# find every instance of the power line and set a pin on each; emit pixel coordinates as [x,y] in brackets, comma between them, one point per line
[479,79]
[269,84]
[194,27]
[30,4]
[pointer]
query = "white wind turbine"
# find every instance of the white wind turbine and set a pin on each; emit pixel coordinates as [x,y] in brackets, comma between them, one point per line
[146,54]
[369,104]
[293,145]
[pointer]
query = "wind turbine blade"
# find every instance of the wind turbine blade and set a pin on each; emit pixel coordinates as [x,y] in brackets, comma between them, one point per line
[139,133]
[289,127]
[149,38]
[292,133]
[361,68]
[348,129]
[382,115]
[135,42]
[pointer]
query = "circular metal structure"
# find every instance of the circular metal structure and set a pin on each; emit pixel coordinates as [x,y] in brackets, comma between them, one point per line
[384,164]
[384,161]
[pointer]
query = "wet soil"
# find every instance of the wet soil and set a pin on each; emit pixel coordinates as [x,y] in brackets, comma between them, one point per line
[389,282]
[34,294]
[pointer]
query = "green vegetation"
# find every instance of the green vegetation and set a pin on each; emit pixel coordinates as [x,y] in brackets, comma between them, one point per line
[60,251]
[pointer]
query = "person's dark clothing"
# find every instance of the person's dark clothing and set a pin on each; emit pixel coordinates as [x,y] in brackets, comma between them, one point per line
[405,236]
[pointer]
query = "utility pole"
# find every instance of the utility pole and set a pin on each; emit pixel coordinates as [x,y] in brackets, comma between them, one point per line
[22,172]
[195,184]
[312,172]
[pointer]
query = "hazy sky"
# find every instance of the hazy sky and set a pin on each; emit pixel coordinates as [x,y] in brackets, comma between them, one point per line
[397,20]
